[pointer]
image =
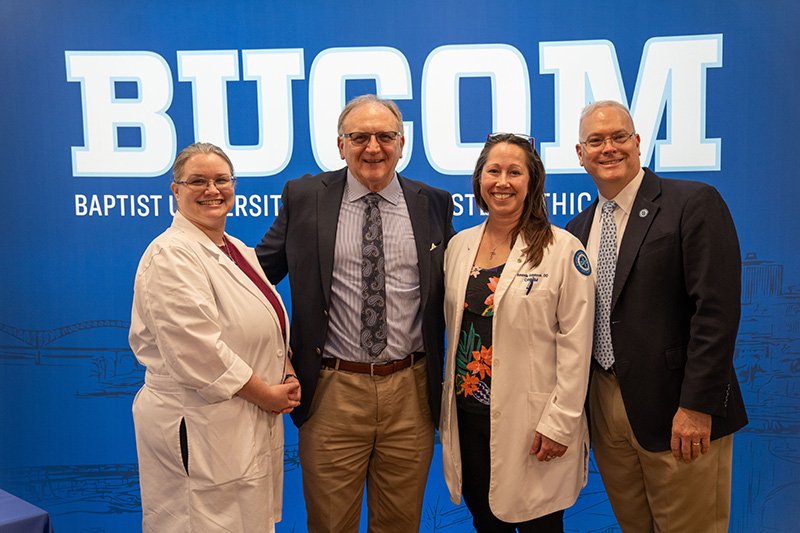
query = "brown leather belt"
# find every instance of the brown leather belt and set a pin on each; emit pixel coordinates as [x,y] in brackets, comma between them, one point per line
[373,369]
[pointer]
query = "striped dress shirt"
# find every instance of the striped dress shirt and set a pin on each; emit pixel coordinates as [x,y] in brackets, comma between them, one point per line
[403,315]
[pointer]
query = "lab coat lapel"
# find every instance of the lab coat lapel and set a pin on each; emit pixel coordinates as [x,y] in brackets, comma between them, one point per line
[515,261]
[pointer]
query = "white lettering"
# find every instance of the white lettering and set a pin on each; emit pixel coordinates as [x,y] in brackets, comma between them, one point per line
[672,69]
[273,71]
[104,113]
[465,204]
[567,203]
[255,205]
[123,205]
[511,110]
[326,94]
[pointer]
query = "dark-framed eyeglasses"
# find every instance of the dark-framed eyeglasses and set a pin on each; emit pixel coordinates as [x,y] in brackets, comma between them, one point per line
[522,136]
[618,139]
[198,184]
[362,138]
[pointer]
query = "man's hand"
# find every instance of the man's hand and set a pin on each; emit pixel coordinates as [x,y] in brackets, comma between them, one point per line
[691,434]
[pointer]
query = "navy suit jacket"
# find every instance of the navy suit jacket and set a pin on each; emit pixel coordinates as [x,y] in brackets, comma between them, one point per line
[301,243]
[675,308]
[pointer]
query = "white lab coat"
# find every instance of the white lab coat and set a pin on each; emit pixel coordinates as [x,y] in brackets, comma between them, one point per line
[202,327]
[542,341]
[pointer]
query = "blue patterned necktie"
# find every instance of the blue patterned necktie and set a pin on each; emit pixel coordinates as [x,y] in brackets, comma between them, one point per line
[606,267]
[373,279]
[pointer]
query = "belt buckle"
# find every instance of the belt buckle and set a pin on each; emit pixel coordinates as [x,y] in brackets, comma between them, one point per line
[372,370]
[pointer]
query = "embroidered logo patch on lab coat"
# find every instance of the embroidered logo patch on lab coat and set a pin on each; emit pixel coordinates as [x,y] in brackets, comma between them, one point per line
[581,261]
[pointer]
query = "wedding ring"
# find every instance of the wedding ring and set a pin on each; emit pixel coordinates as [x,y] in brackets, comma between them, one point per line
[695,444]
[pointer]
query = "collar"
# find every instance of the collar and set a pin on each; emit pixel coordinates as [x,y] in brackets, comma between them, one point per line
[355,190]
[187,226]
[626,196]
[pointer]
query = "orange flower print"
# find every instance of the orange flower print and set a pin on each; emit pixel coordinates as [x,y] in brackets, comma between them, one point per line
[481,363]
[469,384]
[489,302]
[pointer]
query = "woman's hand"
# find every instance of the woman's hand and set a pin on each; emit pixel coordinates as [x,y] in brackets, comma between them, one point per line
[276,399]
[545,448]
[286,397]
[293,396]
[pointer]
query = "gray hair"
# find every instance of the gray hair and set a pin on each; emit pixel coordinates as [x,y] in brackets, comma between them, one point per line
[370,99]
[193,150]
[594,106]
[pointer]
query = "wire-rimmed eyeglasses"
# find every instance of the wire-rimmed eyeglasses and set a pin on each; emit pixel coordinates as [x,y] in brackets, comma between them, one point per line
[362,138]
[199,184]
[618,139]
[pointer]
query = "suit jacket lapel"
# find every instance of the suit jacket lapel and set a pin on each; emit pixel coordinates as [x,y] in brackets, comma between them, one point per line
[635,230]
[417,205]
[329,202]
[584,225]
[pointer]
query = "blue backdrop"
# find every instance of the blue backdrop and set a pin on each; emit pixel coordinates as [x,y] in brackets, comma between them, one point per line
[96,97]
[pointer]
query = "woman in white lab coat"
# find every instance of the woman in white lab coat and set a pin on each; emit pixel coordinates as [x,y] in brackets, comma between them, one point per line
[519,305]
[213,335]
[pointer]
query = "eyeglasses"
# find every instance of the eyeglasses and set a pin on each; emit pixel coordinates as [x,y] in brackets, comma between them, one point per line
[362,138]
[618,139]
[198,184]
[522,136]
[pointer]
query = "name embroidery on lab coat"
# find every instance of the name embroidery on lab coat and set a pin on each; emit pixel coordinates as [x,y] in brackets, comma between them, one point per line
[531,279]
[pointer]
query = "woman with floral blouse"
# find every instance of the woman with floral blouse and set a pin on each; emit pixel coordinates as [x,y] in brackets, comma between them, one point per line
[519,306]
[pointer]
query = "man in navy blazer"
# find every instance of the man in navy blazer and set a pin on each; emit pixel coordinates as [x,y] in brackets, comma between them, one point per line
[664,408]
[364,417]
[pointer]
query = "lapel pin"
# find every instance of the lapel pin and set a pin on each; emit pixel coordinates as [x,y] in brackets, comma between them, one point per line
[643,213]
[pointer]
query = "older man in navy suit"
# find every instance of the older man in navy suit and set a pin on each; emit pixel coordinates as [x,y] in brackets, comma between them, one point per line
[663,398]
[364,249]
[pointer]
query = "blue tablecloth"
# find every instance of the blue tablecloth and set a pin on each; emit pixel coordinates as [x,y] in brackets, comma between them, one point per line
[18,516]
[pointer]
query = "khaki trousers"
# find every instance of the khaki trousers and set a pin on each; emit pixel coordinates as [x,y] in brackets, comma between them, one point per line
[653,491]
[373,429]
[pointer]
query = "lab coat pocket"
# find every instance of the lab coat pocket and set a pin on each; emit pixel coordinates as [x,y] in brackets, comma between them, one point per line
[536,308]
[536,404]
[535,407]
[221,441]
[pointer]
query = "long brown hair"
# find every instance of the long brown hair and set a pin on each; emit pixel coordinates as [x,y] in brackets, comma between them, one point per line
[533,224]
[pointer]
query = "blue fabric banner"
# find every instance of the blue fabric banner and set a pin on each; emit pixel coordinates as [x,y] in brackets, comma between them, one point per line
[96,97]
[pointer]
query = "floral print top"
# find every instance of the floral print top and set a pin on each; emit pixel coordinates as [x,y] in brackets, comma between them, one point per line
[473,379]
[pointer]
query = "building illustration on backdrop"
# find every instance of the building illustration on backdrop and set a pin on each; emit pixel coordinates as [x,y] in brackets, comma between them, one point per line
[766,451]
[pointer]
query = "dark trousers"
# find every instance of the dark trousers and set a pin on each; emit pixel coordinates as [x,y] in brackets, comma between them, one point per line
[473,431]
